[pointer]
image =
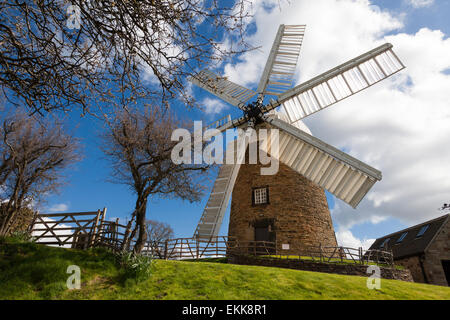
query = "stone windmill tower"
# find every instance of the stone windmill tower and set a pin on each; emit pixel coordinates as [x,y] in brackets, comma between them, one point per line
[285,208]
[290,206]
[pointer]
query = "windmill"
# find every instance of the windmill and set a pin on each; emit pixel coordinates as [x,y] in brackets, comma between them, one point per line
[318,165]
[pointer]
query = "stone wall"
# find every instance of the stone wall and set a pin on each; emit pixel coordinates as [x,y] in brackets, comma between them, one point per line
[438,250]
[413,265]
[345,269]
[297,211]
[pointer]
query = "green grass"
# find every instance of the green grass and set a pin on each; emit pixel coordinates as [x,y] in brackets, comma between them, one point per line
[30,271]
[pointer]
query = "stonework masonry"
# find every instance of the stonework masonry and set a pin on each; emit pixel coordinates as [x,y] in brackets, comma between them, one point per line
[297,213]
[346,269]
[437,251]
[427,267]
[413,265]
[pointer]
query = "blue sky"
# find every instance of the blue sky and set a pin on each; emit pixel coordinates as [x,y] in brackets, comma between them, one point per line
[88,189]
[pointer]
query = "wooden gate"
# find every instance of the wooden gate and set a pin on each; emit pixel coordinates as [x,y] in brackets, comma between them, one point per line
[77,230]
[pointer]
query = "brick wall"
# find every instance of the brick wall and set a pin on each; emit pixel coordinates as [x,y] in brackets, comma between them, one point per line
[297,213]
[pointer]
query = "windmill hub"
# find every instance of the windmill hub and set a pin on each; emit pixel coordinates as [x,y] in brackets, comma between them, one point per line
[253,113]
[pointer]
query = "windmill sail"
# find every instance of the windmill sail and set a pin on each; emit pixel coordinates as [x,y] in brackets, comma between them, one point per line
[281,64]
[211,219]
[340,82]
[223,88]
[342,175]
[224,121]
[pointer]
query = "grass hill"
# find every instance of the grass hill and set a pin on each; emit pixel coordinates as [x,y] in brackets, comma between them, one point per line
[30,271]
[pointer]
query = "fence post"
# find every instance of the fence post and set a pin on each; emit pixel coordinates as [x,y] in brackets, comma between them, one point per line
[102,221]
[31,226]
[217,247]
[93,229]
[116,235]
[166,246]
[196,248]
[320,251]
[391,259]
[126,240]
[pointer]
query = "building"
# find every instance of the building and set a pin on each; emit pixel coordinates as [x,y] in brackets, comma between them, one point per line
[284,208]
[424,249]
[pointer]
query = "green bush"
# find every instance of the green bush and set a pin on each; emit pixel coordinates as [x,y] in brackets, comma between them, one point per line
[17,237]
[21,221]
[134,266]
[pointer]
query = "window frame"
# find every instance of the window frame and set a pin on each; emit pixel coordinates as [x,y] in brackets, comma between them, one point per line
[402,237]
[267,196]
[384,243]
[420,233]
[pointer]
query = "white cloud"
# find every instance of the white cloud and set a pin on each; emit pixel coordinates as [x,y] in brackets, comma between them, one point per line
[420,3]
[329,39]
[212,106]
[59,207]
[345,238]
[400,126]
[377,219]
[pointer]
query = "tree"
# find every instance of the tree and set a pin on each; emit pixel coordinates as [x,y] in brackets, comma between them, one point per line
[57,55]
[33,154]
[22,219]
[138,144]
[158,231]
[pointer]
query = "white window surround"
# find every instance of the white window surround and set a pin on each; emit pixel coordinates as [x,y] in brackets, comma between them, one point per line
[260,195]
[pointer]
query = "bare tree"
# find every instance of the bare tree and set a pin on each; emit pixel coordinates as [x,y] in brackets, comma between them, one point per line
[139,146]
[61,54]
[33,155]
[158,231]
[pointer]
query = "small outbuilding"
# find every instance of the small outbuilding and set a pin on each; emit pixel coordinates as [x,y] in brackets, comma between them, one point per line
[424,249]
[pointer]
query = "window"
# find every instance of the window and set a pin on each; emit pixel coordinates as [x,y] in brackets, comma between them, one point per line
[261,195]
[402,237]
[384,243]
[422,231]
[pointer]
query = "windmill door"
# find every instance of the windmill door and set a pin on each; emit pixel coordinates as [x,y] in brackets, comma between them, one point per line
[262,234]
[264,237]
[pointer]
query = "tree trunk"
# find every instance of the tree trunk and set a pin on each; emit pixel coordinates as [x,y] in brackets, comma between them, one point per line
[7,221]
[129,236]
[140,223]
